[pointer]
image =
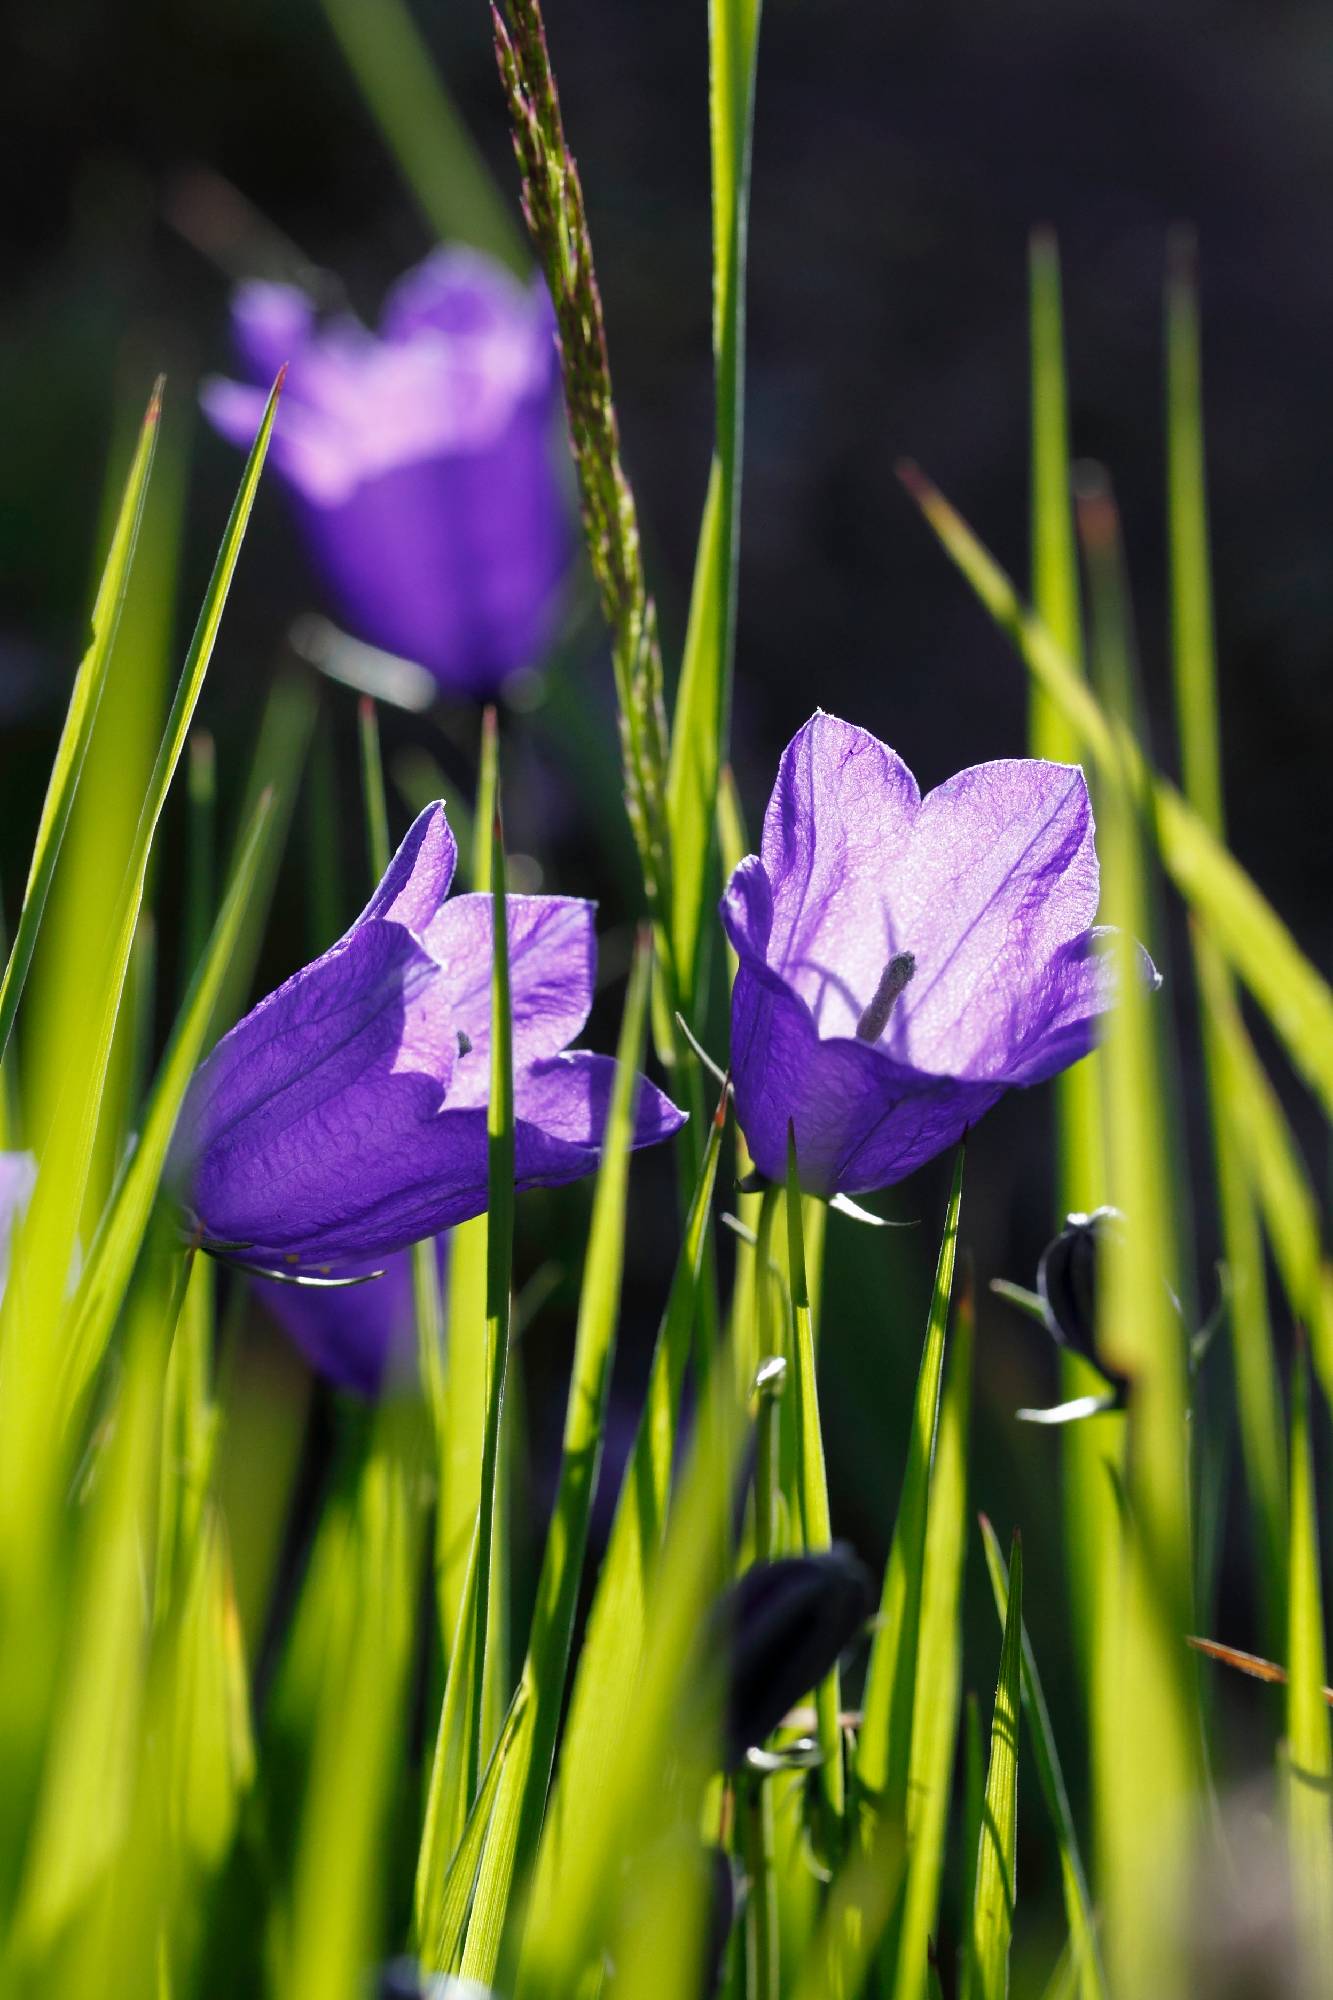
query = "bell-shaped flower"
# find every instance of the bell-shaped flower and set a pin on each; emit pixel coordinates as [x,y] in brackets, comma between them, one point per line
[345,1117]
[904,960]
[420,459]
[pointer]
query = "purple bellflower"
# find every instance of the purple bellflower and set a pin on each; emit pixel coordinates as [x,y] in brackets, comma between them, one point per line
[345,1117]
[359,1336]
[903,960]
[420,459]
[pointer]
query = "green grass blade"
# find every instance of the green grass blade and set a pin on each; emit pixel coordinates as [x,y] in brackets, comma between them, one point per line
[112,1258]
[442,1941]
[611,1655]
[1309,1748]
[1055,592]
[812,1490]
[373,800]
[1256,942]
[45,1250]
[884,1747]
[1258,1400]
[1088,1976]
[511,1844]
[703,700]
[79,720]
[996,1882]
[425,131]
[939,1664]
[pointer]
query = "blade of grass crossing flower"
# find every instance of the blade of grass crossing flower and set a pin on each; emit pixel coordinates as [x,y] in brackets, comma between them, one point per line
[1090,1980]
[1145,1722]
[939,1664]
[111,1260]
[812,1495]
[611,1655]
[1079,1144]
[1309,1775]
[883,1754]
[423,128]
[1256,942]
[45,1248]
[1258,1401]
[512,1839]
[79,720]
[992,1917]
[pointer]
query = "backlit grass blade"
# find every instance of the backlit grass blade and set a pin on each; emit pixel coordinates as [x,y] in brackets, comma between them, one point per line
[884,1748]
[1080,1149]
[512,1841]
[812,1494]
[1277,1175]
[79,720]
[335,1914]
[992,1916]
[373,801]
[617,1632]
[112,1258]
[703,700]
[1256,942]
[1309,1739]
[459,1750]
[98,839]
[441,1941]
[1088,1976]
[425,132]
[1144,1720]
[1195,681]
[939,1664]
[45,1249]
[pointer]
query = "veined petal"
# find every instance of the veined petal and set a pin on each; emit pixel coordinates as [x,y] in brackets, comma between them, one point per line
[566,1101]
[1081,982]
[417,880]
[552,960]
[837,825]
[1000,875]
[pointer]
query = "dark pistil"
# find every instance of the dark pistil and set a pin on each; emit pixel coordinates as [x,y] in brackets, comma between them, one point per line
[896,975]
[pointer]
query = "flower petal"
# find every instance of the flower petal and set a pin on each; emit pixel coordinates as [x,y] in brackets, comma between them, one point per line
[552,962]
[1081,982]
[999,877]
[566,1101]
[839,820]
[862,1120]
[353,1336]
[417,880]
[270,325]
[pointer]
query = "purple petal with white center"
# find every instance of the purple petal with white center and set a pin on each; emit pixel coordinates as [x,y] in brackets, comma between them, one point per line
[904,960]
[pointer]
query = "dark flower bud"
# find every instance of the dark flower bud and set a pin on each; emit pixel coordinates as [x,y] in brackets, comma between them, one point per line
[1067,1285]
[780,1628]
[723,1903]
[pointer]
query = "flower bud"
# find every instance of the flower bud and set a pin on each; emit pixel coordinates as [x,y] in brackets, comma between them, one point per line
[781,1628]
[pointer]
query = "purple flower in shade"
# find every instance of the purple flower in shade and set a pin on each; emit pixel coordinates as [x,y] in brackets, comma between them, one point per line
[360,1336]
[345,1117]
[903,960]
[420,460]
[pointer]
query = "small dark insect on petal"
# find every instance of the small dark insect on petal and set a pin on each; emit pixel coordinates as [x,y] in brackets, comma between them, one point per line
[781,1627]
[464,1045]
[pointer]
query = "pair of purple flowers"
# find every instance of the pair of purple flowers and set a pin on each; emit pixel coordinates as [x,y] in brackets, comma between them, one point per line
[903,961]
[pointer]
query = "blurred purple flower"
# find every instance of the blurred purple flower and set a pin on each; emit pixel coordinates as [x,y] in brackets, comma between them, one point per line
[345,1117]
[903,960]
[18,1173]
[360,1336]
[421,459]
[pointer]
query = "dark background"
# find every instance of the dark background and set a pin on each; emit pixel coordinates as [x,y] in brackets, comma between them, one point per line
[902,154]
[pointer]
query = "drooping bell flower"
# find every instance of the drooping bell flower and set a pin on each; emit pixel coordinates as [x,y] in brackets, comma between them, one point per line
[421,460]
[345,1117]
[904,961]
[360,1336]
[780,1628]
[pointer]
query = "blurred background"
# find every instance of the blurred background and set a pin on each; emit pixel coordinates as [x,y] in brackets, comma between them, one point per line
[901,156]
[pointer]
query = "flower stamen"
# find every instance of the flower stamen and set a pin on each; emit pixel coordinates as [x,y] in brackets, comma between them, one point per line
[896,976]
